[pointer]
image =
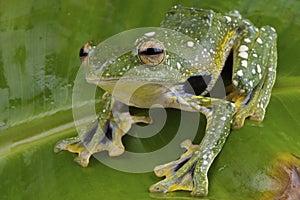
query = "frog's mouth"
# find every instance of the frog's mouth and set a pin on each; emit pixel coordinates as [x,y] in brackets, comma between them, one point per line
[127,85]
[196,85]
[135,77]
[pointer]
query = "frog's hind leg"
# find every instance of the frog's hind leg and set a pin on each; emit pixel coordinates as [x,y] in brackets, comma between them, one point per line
[190,171]
[102,134]
[263,69]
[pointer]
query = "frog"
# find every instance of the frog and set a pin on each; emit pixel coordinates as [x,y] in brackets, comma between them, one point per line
[243,56]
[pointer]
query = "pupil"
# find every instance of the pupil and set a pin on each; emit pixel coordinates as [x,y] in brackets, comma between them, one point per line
[152,51]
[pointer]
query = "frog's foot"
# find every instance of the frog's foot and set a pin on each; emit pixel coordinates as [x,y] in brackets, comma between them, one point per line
[254,114]
[99,137]
[255,110]
[180,173]
[74,145]
[239,118]
[258,114]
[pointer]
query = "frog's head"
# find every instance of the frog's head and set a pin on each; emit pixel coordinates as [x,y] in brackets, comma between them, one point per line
[148,69]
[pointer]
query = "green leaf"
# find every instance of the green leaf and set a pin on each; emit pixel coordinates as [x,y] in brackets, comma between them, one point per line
[39,43]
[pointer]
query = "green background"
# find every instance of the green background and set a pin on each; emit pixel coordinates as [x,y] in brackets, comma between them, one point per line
[39,43]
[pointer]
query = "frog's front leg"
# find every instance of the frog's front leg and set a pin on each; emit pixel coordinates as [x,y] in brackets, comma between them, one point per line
[102,134]
[190,171]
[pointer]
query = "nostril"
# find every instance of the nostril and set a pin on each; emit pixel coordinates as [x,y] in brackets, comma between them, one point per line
[197,84]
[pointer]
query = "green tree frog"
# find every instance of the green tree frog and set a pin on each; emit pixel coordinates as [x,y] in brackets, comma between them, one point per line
[243,56]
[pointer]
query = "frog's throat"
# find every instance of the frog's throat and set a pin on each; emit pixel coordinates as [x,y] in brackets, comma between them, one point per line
[136,93]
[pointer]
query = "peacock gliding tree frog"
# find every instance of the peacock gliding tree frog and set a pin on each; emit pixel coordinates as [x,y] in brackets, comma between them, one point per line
[241,55]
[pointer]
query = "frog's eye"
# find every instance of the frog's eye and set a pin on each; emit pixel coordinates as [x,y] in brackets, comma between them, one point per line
[151,52]
[84,51]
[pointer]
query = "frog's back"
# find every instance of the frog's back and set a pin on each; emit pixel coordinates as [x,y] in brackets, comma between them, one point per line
[201,25]
[214,32]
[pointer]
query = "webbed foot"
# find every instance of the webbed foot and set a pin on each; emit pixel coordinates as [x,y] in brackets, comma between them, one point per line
[255,111]
[180,173]
[103,134]
[74,145]
[93,139]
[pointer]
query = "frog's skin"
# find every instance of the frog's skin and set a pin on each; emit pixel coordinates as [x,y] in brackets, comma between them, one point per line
[248,88]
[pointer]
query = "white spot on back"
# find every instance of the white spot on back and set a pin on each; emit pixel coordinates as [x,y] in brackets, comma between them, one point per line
[259,41]
[235,83]
[251,83]
[253,71]
[273,29]
[178,65]
[168,62]
[190,43]
[240,73]
[258,68]
[243,48]
[150,34]
[243,54]
[244,63]
[223,118]
[247,40]
[246,22]
[228,18]
[254,55]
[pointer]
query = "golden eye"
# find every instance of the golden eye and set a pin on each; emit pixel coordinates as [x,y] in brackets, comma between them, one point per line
[151,52]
